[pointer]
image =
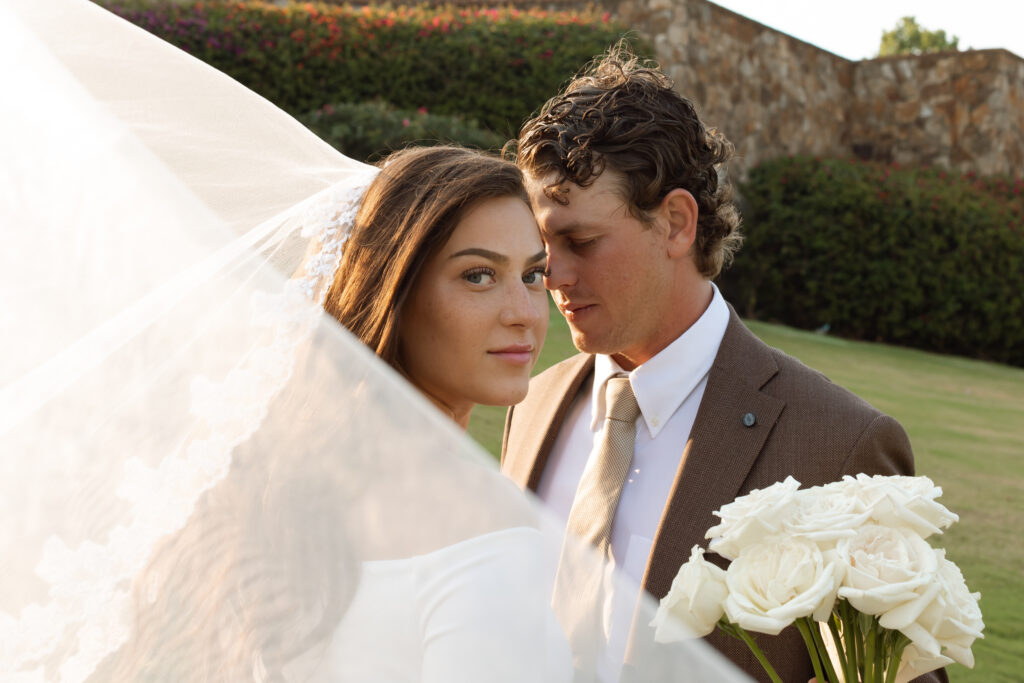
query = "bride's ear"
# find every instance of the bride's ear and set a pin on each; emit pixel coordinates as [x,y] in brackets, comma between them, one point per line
[679,210]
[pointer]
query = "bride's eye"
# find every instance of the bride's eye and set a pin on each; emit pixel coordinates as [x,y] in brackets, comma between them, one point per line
[479,276]
[534,276]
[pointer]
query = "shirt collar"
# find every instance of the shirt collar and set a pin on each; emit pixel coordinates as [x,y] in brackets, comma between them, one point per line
[666,380]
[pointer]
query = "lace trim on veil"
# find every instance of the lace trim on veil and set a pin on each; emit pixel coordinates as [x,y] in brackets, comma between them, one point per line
[328,217]
[90,597]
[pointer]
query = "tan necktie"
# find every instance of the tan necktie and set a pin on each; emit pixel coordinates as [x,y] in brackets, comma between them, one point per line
[583,579]
[598,494]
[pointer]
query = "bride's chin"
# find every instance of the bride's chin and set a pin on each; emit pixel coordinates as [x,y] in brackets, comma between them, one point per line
[506,396]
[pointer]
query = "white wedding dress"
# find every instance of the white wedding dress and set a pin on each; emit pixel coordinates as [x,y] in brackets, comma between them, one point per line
[194,458]
[433,617]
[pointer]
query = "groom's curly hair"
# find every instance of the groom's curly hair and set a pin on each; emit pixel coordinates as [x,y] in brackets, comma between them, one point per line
[623,114]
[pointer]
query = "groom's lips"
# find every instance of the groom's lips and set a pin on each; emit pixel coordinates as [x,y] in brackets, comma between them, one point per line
[517,354]
[576,312]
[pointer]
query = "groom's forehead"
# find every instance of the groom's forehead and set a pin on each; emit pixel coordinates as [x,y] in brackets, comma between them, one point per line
[551,192]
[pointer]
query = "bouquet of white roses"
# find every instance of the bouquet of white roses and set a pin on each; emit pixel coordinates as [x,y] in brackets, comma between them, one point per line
[850,556]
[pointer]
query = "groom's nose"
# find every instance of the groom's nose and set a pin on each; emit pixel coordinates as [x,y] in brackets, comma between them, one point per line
[559,273]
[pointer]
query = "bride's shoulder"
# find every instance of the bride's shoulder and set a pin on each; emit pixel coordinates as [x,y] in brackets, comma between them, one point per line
[522,543]
[509,563]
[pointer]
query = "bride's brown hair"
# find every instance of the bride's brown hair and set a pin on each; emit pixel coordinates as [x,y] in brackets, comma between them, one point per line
[410,211]
[270,543]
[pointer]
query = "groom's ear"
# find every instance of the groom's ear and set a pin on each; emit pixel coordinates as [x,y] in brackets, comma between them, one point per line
[679,210]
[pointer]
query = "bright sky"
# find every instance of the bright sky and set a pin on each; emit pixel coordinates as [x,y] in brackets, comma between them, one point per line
[853,28]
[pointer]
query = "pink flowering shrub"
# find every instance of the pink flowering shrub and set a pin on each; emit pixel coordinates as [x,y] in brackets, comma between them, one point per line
[494,65]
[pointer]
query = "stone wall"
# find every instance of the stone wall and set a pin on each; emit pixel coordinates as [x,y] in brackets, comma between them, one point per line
[770,94]
[773,95]
[963,110]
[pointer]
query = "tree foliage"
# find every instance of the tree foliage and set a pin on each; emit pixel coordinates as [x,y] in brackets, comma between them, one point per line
[921,257]
[909,37]
[369,130]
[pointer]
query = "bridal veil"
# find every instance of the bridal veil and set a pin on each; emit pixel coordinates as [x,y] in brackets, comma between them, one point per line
[199,470]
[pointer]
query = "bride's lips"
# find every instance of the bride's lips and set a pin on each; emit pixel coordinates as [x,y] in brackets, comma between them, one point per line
[517,354]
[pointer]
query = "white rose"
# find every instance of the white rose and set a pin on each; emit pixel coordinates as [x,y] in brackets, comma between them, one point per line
[693,605]
[951,621]
[899,501]
[785,578]
[888,569]
[752,517]
[825,514]
[915,663]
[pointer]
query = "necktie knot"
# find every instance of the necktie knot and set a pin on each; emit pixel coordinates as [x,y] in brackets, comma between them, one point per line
[620,400]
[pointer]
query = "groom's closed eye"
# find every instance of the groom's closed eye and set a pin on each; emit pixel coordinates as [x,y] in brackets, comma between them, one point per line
[579,244]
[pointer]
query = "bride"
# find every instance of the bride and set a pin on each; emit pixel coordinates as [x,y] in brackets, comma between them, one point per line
[439,275]
[203,476]
[442,277]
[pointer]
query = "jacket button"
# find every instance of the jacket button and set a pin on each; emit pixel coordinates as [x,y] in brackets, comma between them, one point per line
[749,419]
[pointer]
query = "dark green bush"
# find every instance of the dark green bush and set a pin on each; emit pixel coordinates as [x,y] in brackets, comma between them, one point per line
[494,65]
[911,256]
[370,130]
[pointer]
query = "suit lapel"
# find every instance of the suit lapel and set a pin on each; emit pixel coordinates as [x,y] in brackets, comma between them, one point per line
[554,395]
[720,452]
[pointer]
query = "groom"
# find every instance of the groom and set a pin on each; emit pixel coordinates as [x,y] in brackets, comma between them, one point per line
[637,223]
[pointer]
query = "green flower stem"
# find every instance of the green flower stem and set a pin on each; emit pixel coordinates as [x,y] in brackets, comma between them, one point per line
[864,622]
[857,635]
[738,631]
[769,669]
[849,647]
[801,625]
[819,643]
[869,654]
[833,625]
[858,642]
[895,656]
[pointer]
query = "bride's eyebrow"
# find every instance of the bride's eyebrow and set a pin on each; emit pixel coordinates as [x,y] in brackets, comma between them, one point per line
[539,256]
[486,253]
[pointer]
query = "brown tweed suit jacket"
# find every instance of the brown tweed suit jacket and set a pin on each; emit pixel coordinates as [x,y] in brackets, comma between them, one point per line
[804,426]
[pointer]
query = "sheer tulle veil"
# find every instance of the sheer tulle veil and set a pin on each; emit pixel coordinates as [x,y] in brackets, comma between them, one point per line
[197,466]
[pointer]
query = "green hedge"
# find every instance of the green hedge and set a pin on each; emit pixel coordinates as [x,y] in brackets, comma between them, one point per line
[911,256]
[370,130]
[494,65]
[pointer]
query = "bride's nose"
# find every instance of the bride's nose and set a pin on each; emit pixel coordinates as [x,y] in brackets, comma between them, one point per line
[519,307]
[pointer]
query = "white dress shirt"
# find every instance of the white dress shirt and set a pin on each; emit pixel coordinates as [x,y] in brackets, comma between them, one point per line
[669,388]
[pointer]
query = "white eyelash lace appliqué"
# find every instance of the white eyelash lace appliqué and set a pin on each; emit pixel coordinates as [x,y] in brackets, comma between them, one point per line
[329,219]
[89,607]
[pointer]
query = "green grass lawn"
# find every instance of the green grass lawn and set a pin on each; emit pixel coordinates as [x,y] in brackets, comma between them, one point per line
[966,422]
